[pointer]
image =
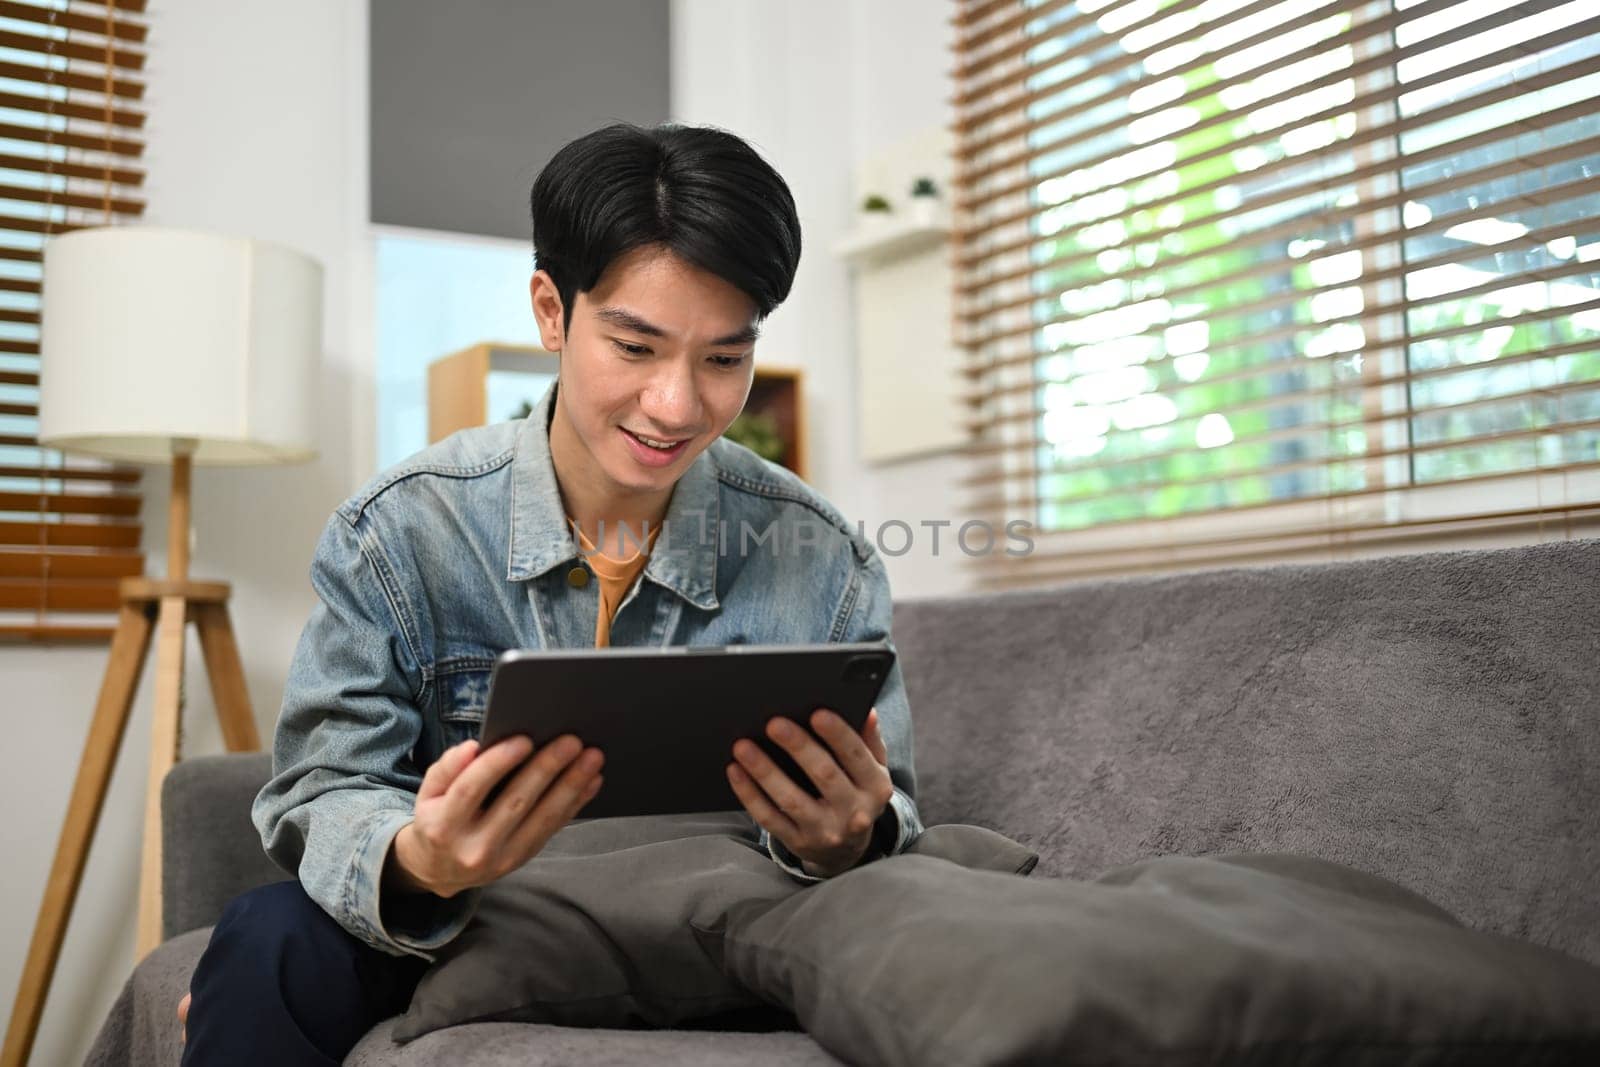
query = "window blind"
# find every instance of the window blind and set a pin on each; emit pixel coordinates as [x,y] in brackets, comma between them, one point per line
[71,138]
[1243,278]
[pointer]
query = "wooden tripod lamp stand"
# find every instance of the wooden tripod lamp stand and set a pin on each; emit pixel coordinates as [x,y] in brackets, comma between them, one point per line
[162,345]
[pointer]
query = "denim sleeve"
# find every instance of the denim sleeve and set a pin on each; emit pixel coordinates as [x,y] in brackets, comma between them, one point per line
[865,616]
[344,780]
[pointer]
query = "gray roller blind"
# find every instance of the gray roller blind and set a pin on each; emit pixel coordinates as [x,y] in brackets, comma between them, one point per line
[471,98]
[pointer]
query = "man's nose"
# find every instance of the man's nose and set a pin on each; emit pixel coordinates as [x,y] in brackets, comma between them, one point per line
[671,401]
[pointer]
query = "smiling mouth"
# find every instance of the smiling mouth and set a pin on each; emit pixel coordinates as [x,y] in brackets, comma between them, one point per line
[658,443]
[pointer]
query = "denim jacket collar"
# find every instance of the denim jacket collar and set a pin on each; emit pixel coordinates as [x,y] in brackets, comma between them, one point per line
[684,559]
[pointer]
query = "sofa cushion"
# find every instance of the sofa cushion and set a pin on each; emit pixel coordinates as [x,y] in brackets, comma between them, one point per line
[142,1026]
[541,1045]
[1175,961]
[143,1029]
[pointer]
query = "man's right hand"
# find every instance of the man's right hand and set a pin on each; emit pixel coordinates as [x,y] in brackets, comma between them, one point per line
[453,843]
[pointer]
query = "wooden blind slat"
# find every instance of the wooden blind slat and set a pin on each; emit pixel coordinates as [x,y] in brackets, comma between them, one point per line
[60,198]
[121,55]
[70,534]
[121,28]
[50,633]
[975,12]
[119,475]
[65,594]
[131,7]
[53,565]
[117,175]
[119,146]
[14,377]
[119,504]
[69,109]
[127,88]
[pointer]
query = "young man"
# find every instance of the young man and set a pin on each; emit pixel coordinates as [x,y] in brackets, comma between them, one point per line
[659,254]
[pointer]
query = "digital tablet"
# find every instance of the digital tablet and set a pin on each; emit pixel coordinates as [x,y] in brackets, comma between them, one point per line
[667,718]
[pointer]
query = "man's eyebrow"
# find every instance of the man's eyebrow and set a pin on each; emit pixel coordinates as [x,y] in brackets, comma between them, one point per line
[746,336]
[624,319]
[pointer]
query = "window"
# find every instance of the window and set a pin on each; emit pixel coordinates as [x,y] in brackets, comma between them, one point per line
[438,294]
[1237,276]
[71,138]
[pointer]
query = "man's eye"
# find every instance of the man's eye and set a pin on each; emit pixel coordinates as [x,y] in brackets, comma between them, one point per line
[727,361]
[632,350]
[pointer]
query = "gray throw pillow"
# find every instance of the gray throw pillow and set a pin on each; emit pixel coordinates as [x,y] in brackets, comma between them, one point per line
[594,931]
[974,848]
[599,929]
[1226,960]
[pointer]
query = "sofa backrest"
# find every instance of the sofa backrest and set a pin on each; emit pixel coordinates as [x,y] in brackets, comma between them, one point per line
[210,851]
[1431,718]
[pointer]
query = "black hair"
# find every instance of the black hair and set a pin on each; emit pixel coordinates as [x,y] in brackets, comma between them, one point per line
[701,192]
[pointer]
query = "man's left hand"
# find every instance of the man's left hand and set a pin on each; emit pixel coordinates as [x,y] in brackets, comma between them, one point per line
[829,833]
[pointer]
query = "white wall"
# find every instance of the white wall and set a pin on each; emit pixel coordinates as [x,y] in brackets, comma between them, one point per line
[257,127]
[818,88]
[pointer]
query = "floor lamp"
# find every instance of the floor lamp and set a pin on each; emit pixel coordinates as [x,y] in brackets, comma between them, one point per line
[163,346]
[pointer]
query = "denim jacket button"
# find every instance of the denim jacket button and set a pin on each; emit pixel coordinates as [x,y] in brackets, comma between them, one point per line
[578,577]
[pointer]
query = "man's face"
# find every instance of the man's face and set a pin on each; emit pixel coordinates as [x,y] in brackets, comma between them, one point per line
[656,363]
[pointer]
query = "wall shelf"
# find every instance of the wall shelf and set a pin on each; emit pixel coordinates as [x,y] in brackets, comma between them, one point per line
[893,238]
[460,385]
[902,278]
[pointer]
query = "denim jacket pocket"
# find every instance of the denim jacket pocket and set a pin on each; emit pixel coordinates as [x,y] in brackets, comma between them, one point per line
[463,697]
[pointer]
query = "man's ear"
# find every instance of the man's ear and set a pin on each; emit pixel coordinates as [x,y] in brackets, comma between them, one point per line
[548,311]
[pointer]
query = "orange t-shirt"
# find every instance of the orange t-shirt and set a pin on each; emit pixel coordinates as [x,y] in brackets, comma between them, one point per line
[616,577]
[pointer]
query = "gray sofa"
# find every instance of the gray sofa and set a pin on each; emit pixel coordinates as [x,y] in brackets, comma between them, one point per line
[1434,719]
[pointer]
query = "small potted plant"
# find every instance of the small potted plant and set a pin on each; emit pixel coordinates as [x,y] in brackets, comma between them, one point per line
[924,201]
[757,431]
[875,212]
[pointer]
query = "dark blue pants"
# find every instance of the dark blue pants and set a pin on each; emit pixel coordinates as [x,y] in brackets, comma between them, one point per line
[282,983]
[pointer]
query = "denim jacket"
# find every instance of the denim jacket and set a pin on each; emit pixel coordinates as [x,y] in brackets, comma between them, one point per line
[461,552]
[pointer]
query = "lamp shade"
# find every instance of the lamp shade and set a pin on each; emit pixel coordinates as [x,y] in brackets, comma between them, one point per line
[150,336]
